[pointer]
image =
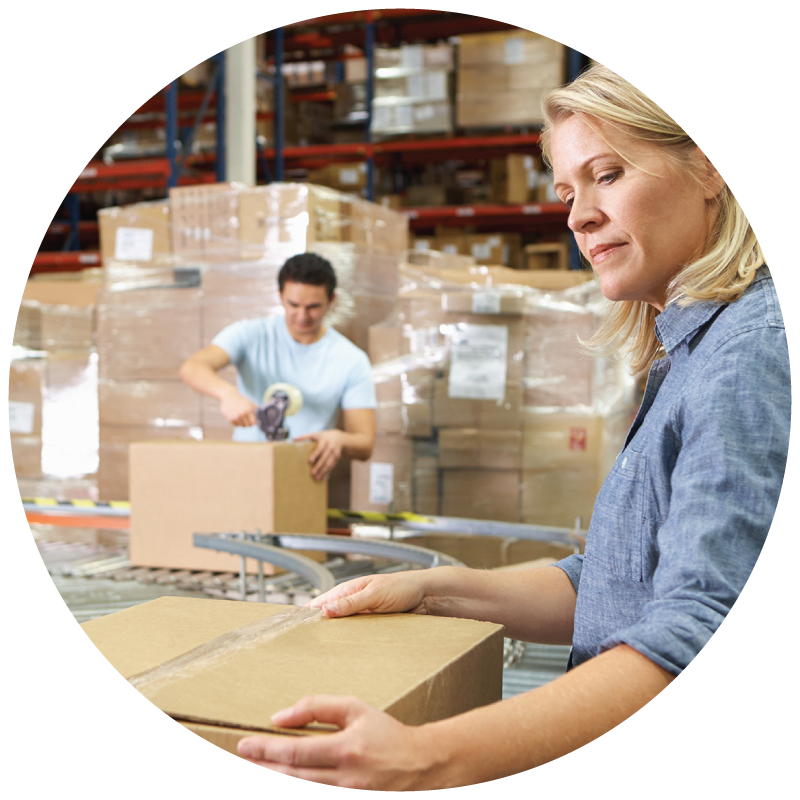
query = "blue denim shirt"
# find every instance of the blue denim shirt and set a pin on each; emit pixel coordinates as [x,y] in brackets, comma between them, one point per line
[684,512]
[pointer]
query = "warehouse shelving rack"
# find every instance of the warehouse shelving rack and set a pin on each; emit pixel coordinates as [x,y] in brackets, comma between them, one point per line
[316,39]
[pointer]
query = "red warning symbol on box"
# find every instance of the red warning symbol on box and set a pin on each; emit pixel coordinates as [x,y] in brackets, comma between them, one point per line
[578,438]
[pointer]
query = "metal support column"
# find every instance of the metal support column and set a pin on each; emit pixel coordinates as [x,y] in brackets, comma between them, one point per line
[240,112]
[172,133]
[220,60]
[278,102]
[369,53]
[73,204]
[577,63]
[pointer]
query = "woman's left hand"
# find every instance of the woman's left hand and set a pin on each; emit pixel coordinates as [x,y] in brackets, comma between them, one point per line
[371,751]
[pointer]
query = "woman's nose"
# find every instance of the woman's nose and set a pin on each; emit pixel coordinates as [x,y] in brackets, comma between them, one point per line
[583,214]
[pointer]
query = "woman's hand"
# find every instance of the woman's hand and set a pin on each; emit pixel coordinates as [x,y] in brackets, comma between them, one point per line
[371,751]
[377,594]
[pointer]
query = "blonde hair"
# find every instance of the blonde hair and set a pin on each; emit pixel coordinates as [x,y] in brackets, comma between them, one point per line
[732,254]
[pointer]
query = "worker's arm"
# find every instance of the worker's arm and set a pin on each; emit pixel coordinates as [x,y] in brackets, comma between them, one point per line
[200,373]
[356,441]
[534,605]
[374,751]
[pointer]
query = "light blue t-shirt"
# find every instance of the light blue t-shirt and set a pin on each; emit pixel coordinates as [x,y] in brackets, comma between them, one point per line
[332,373]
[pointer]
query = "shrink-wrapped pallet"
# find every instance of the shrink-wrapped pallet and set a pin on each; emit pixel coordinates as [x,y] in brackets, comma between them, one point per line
[227,244]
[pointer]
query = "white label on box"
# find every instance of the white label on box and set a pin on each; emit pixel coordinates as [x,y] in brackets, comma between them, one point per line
[382,116]
[133,244]
[424,112]
[481,251]
[381,484]
[514,51]
[478,361]
[452,249]
[422,245]
[415,86]
[20,417]
[413,56]
[404,116]
[348,176]
[486,303]
[494,241]
[437,85]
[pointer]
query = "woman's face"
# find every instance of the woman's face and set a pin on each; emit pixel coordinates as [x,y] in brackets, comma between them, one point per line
[636,225]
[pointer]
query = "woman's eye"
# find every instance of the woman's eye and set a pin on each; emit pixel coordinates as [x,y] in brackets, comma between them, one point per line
[608,177]
[568,202]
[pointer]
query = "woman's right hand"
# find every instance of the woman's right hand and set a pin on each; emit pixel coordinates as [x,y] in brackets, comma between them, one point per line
[375,594]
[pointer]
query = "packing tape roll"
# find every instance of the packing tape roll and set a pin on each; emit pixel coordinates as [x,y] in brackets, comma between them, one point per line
[295,397]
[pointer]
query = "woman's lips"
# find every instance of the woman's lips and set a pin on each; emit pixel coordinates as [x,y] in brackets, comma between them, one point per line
[603,251]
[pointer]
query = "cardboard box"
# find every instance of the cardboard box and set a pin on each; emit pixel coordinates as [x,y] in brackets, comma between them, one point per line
[26,385]
[139,232]
[179,488]
[550,255]
[57,314]
[205,221]
[481,449]
[166,404]
[385,482]
[561,439]
[558,496]
[502,77]
[146,334]
[453,412]
[495,248]
[417,668]
[481,494]
[113,472]
[513,179]
[489,552]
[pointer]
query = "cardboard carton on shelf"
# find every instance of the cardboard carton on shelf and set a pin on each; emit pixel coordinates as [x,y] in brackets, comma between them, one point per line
[179,488]
[185,656]
[548,255]
[481,449]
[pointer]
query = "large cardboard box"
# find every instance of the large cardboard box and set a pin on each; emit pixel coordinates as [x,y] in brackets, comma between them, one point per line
[385,482]
[139,232]
[481,449]
[457,412]
[146,334]
[185,656]
[179,488]
[57,314]
[491,494]
[205,221]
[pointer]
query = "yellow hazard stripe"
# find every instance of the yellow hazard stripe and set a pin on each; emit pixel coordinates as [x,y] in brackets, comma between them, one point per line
[49,502]
[333,513]
[376,516]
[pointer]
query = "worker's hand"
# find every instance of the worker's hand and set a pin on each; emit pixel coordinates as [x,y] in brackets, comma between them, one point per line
[325,456]
[376,594]
[237,409]
[372,751]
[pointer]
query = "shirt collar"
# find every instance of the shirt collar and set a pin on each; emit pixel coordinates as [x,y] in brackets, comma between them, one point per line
[676,323]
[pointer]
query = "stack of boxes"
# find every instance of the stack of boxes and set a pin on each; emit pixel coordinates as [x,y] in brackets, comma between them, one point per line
[53,415]
[413,90]
[487,407]
[210,256]
[502,78]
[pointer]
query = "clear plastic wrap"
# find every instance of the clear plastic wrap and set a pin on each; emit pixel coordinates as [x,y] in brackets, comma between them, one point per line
[53,412]
[223,247]
[521,426]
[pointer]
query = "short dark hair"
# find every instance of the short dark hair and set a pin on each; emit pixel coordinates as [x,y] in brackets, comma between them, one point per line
[308,268]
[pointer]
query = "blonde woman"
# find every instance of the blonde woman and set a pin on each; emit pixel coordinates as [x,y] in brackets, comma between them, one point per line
[683,514]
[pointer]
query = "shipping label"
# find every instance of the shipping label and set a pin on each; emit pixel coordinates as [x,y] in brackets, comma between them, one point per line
[478,361]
